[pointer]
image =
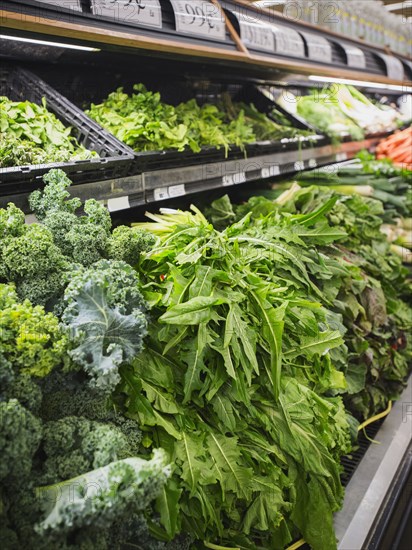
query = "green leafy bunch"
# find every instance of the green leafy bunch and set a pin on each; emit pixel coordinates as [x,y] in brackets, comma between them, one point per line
[368,288]
[235,381]
[39,258]
[105,320]
[31,339]
[31,134]
[143,121]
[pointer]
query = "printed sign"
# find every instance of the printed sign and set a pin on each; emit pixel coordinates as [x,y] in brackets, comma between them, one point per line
[355,56]
[142,12]
[319,49]
[288,42]
[199,18]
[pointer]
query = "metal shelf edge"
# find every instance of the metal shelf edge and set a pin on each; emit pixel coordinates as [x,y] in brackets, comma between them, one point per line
[159,185]
[372,480]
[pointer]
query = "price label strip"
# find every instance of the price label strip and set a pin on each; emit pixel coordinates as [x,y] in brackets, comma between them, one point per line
[288,42]
[394,67]
[270,171]
[233,179]
[141,12]
[68,4]
[355,56]
[163,193]
[199,18]
[319,48]
[256,35]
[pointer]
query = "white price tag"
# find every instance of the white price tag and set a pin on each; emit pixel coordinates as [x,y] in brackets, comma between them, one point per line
[288,42]
[233,179]
[69,4]
[142,12]
[270,171]
[177,190]
[394,67]
[312,163]
[355,56]
[199,18]
[319,48]
[118,203]
[340,157]
[161,193]
[257,35]
[299,165]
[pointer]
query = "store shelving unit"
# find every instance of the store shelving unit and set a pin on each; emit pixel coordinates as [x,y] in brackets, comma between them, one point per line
[255,40]
[240,40]
[252,45]
[158,185]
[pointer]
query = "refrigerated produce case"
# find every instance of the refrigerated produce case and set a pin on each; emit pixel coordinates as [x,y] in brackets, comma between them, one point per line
[247,53]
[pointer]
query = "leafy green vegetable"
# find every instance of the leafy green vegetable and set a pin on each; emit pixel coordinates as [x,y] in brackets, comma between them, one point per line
[264,128]
[39,258]
[145,123]
[115,490]
[30,339]
[232,387]
[30,134]
[105,320]
[373,300]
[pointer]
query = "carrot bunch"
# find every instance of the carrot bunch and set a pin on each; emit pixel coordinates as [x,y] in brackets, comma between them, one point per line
[398,148]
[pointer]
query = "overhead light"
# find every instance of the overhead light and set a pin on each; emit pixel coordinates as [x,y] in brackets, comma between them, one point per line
[377,85]
[47,43]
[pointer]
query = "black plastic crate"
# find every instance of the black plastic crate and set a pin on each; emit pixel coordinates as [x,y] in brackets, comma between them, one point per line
[115,157]
[155,160]
[91,84]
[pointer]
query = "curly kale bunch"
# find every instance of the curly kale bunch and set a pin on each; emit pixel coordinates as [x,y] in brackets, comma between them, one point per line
[30,339]
[105,318]
[40,258]
[75,444]
[84,239]
[54,427]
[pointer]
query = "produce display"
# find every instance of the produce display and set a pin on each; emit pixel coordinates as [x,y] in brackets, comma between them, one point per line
[341,110]
[198,376]
[398,148]
[379,179]
[145,123]
[31,134]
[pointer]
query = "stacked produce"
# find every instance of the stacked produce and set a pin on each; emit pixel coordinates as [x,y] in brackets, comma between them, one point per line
[231,345]
[398,148]
[145,123]
[379,179]
[31,134]
[342,110]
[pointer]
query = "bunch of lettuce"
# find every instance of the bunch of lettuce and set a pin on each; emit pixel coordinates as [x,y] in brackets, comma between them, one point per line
[31,134]
[144,122]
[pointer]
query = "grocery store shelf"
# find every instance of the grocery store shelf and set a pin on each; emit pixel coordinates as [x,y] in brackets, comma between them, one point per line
[158,185]
[261,54]
[370,489]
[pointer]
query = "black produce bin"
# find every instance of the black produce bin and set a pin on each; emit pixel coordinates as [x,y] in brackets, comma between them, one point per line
[92,85]
[115,157]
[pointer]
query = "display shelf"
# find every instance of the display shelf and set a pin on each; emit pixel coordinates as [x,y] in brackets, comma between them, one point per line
[128,192]
[374,486]
[267,46]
